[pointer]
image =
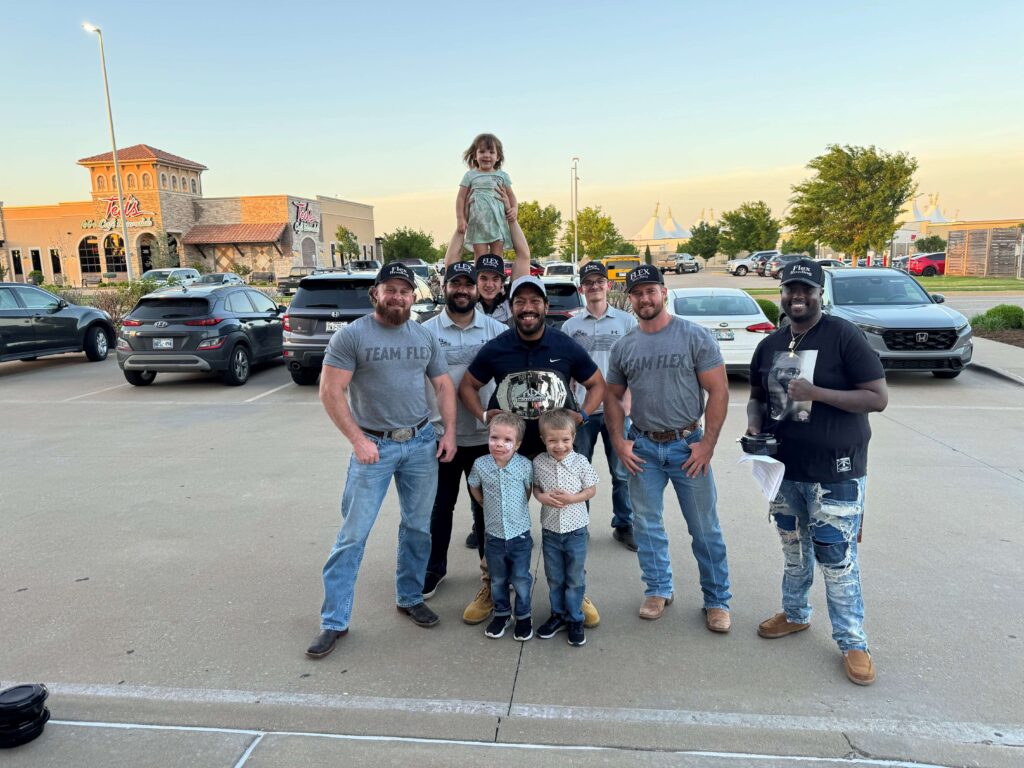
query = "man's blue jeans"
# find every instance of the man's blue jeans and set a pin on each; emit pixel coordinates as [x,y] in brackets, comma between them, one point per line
[820,521]
[509,564]
[586,441]
[413,464]
[564,558]
[697,498]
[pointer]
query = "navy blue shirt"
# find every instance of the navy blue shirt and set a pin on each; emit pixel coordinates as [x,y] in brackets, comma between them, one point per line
[532,377]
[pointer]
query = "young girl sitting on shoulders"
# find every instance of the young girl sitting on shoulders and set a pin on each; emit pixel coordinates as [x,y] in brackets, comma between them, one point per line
[479,208]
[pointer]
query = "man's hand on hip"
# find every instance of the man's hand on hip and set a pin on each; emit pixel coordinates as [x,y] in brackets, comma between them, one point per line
[700,459]
[366,451]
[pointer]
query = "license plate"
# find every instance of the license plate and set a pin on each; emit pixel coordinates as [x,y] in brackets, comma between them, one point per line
[724,335]
[335,326]
[163,343]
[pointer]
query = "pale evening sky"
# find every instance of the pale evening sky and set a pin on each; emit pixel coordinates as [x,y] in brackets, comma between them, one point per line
[693,105]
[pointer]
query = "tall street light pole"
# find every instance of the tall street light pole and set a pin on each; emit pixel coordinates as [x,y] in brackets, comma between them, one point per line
[574,202]
[113,143]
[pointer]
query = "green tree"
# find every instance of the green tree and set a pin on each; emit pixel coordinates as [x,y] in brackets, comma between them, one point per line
[647,254]
[930,244]
[750,227]
[161,256]
[598,236]
[704,241]
[853,202]
[626,248]
[348,245]
[797,243]
[540,226]
[406,243]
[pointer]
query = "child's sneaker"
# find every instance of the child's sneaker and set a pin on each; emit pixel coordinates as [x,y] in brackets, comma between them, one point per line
[498,626]
[552,626]
[523,630]
[576,634]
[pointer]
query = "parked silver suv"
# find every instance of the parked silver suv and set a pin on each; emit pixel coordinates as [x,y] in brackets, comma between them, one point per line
[325,303]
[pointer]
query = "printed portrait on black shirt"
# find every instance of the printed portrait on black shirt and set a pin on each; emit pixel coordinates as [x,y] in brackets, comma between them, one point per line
[786,367]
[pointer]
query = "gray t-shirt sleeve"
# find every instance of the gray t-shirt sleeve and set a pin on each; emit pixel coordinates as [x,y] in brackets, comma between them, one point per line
[438,361]
[706,353]
[341,350]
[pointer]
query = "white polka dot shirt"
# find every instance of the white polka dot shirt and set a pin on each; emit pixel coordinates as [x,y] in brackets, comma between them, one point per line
[572,474]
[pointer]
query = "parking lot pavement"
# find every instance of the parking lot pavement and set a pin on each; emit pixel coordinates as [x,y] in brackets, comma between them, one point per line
[162,550]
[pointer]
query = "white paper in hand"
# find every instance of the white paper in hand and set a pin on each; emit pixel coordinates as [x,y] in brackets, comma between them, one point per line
[767,473]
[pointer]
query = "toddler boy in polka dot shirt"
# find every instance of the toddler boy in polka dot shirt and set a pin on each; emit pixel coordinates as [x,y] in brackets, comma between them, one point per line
[563,482]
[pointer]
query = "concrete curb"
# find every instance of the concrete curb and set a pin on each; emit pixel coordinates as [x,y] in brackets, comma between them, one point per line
[998,373]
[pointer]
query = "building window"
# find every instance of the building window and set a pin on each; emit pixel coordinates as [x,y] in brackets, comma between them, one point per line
[184,184]
[131,181]
[37,260]
[113,250]
[89,255]
[163,181]
[55,261]
[16,258]
[174,183]
[146,181]
[193,186]
[101,183]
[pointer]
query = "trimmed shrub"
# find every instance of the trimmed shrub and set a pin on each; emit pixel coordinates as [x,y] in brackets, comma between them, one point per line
[770,309]
[1010,314]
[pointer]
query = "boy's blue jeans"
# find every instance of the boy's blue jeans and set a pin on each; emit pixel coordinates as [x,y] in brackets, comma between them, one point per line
[819,522]
[564,558]
[508,562]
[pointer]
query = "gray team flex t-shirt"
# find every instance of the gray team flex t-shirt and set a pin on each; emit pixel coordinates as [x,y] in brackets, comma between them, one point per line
[661,370]
[388,365]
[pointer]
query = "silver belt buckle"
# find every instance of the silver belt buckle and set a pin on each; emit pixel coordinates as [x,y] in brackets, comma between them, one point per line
[402,435]
[687,432]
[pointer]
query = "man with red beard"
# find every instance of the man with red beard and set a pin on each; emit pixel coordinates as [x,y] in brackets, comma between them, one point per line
[373,361]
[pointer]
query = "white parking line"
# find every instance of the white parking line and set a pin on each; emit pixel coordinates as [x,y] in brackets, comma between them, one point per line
[269,392]
[95,392]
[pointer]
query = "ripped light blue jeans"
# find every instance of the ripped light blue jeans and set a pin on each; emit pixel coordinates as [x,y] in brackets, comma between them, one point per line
[820,522]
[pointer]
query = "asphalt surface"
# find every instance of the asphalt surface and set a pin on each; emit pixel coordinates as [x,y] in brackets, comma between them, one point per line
[160,571]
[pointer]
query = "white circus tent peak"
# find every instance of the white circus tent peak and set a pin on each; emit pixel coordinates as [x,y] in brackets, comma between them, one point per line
[661,228]
[673,227]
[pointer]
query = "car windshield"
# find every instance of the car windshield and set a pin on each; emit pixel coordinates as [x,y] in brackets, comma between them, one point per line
[420,269]
[332,294]
[156,274]
[710,306]
[563,297]
[893,289]
[168,309]
[210,279]
[559,269]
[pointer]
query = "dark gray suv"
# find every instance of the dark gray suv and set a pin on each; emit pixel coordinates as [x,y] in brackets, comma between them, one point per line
[34,323]
[223,329]
[325,303]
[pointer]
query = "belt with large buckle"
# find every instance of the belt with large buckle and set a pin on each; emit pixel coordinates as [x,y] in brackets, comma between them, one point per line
[402,435]
[672,434]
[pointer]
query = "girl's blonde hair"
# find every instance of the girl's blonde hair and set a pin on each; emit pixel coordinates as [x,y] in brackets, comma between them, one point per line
[484,141]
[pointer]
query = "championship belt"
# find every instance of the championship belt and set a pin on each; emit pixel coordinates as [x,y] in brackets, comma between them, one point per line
[529,393]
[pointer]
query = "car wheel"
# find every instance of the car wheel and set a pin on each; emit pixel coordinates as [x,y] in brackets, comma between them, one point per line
[305,376]
[140,378]
[96,344]
[928,272]
[239,365]
[741,271]
[946,374]
[679,270]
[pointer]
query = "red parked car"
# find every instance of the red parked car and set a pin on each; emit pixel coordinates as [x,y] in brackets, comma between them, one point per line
[927,264]
[535,269]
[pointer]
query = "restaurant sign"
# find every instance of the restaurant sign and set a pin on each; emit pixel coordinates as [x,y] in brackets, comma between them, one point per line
[112,215]
[305,219]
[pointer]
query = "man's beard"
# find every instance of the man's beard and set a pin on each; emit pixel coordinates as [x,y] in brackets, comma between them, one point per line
[393,315]
[461,304]
[538,324]
[648,312]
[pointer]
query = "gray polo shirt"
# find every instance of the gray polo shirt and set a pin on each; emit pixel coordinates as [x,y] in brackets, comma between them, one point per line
[660,369]
[598,335]
[388,364]
[460,346]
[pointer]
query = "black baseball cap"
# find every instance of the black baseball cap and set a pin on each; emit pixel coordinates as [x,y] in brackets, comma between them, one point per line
[461,269]
[645,273]
[492,263]
[395,269]
[593,268]
[803,271]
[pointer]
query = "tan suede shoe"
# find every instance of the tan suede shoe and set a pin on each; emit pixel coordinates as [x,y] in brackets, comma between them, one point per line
[779,626]
[481,607]
[591,618]
[717,619]
[654,607]
[859,667]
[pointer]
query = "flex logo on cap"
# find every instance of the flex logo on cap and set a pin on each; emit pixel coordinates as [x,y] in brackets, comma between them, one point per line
[490,262]
[463,267]
[800,268]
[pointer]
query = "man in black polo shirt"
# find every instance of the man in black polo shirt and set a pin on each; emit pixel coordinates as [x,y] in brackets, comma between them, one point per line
[533,367]
[812,385]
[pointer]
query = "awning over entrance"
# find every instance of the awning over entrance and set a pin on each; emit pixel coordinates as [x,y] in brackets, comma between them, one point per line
[235,234]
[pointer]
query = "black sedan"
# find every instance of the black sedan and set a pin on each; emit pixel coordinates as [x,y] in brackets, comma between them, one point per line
[34,323]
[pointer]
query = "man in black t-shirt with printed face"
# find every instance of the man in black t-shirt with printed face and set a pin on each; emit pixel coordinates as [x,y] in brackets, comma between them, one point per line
[812,384]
